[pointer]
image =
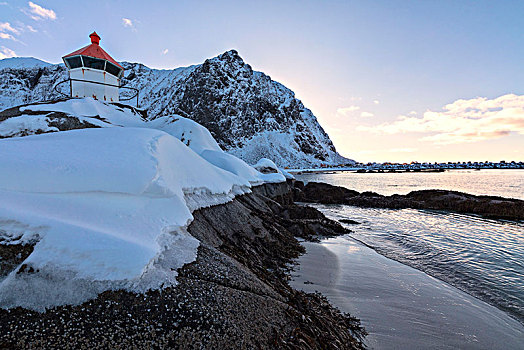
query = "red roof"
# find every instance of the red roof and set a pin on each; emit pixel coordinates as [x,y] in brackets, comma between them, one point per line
[94,50]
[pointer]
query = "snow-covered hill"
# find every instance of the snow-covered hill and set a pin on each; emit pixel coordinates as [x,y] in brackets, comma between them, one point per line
[106,205]
[22,62]
[250,115]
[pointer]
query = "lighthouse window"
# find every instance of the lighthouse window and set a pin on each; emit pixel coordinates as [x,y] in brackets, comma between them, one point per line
[74,62]
[112,69]
[95,63]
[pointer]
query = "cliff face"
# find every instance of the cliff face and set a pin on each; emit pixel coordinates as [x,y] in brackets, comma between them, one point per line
[250,115]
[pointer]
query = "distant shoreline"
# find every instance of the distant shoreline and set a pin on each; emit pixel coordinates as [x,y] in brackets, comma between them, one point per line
[382,171]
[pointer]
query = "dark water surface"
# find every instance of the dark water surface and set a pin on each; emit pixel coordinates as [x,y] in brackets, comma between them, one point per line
[484,258]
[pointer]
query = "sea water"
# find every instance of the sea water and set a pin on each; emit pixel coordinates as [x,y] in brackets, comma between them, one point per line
[494,182]
[483,258]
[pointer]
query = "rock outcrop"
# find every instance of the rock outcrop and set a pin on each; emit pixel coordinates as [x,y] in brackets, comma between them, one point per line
[486,206]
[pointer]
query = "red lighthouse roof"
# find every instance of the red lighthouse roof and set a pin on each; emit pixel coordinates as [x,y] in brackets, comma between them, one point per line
[94,50]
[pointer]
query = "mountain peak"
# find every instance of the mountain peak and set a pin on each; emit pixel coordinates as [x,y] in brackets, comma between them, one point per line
[230,55]
[229,61]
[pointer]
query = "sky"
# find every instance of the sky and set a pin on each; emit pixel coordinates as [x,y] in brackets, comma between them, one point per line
[390,80]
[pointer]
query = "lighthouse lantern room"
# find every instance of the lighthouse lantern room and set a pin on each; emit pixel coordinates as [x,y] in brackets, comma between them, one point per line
[93,73]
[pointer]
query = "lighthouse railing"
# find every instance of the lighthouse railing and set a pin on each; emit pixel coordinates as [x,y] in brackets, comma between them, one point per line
[70,80]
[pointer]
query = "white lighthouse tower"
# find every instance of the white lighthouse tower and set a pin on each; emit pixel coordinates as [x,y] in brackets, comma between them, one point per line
[93,73]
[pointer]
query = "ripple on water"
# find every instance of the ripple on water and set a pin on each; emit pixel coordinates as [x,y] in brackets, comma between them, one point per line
[484,258]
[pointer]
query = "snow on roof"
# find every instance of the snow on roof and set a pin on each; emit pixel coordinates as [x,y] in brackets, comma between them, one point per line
[109,206]
[94,50]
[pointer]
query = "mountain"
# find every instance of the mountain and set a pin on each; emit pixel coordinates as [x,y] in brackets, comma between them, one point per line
[249,115]
[22,62]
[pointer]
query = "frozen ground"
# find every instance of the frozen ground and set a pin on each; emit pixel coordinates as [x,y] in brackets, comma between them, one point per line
[402,308]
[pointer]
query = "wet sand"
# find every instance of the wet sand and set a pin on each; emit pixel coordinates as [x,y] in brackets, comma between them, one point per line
[401,307]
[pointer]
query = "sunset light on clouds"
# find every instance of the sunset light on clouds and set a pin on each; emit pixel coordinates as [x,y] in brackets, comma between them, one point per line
[471,120]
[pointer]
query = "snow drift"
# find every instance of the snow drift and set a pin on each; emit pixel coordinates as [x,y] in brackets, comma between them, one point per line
[107,207]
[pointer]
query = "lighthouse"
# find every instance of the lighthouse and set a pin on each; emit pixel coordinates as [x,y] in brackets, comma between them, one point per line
[93,73]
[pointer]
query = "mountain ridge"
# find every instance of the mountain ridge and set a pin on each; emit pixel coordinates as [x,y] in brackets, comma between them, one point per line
[250,115]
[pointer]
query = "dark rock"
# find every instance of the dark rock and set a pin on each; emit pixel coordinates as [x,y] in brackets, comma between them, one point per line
[11,255]
[324,193]
[486,206]
[349,221]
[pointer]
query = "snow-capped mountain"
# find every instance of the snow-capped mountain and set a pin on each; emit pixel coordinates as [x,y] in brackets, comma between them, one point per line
[250,115]
[22,62]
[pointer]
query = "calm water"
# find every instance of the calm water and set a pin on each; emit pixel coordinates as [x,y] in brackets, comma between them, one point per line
[504,183]
[401,307]
[484,258]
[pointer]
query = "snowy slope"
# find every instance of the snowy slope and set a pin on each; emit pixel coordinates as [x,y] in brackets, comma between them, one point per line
[249,115]
[199,139]
[107,205]
[22,62]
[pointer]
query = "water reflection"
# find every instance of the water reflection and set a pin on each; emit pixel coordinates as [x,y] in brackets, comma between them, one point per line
[483,257]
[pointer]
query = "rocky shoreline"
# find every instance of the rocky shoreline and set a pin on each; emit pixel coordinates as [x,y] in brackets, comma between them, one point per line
[235,295]
[490,207]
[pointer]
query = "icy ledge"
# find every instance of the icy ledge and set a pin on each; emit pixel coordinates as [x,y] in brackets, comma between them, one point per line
[108,208]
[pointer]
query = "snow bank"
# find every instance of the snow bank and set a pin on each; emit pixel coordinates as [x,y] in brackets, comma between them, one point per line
[20,126]
[108,207]
[199,139]
[96,112]
[270,172]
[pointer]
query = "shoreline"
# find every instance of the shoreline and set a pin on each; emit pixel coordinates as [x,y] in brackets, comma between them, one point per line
[401,307]
[385,171]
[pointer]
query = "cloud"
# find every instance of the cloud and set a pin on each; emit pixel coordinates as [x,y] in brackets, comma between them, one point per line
[7,27]
[462,121]
[376,102]
[345,111]
[7,36]
[31,29]
[366,114]
[403,150]
[38,12]
[165,51]
[412,113]
[6,52]
[126,22]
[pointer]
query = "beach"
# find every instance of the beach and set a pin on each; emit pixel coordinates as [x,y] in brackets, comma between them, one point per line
[401,307]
